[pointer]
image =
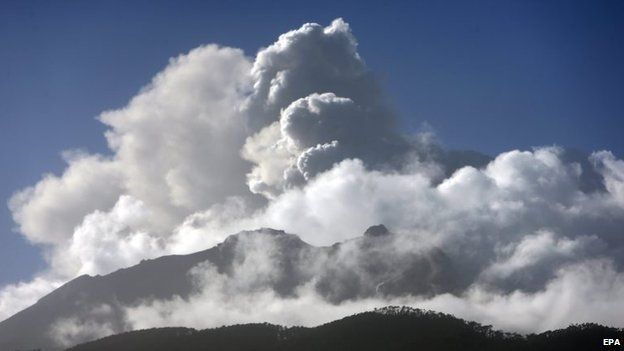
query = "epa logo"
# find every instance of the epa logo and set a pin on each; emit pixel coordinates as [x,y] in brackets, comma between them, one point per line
[611,342]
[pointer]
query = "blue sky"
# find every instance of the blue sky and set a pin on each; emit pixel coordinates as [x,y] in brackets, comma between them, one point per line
[485,75]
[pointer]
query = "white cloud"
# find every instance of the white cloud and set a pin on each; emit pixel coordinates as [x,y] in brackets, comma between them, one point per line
[612,171]
[175,151]
[178,140]
[71,330]
[311,59]
[48,211]
[16,297]
[107,241]
[589,291]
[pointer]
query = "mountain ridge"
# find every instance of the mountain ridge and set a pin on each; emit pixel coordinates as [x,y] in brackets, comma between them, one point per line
[389,328]
[102,298]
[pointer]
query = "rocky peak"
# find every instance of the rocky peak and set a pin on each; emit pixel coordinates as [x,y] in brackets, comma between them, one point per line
[377,230]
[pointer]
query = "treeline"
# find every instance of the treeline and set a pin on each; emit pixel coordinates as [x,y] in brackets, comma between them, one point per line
[391,328]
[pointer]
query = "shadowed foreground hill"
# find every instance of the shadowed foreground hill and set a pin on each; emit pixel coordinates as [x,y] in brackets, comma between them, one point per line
[391,328]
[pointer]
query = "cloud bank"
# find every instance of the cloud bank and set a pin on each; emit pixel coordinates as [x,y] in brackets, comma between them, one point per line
[301,138]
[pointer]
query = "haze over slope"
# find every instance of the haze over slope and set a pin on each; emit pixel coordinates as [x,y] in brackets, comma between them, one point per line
[301,138]
[264,264]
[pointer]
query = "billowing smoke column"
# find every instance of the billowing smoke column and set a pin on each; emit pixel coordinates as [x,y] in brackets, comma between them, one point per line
[301,139]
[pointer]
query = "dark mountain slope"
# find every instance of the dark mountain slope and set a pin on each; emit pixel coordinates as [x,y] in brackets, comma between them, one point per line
[160,278]
[100,300]
[392,329]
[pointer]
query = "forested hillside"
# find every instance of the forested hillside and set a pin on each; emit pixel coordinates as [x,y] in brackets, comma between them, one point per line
[391,328]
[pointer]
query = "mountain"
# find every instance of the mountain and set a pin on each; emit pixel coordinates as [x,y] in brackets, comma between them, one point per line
[391,328]
[101,299]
